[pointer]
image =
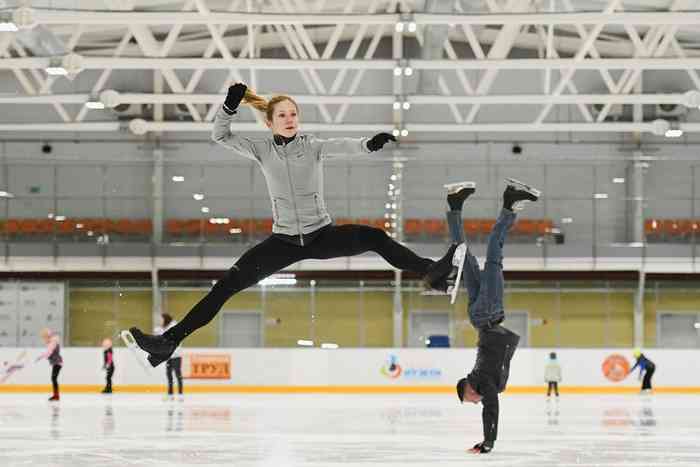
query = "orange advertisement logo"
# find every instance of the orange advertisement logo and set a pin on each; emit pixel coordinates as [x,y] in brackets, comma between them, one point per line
[616,367]
[209,366]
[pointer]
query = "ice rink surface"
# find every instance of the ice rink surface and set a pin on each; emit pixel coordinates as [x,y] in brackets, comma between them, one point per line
[345,430]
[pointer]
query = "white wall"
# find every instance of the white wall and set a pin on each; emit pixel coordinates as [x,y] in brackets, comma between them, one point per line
[362,367]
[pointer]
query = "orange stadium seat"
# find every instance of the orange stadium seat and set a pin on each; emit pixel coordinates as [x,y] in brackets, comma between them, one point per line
[413,227]
[262,227]
[472,227]
[12,227]
[435,227]
[485,226]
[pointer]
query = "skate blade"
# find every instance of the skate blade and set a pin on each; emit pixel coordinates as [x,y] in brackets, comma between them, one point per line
[459,185]
[139,355]
[461,257]
[524,186]
[434,292]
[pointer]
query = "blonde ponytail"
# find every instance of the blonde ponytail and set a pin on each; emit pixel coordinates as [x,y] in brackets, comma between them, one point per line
[263,105]
[255,101]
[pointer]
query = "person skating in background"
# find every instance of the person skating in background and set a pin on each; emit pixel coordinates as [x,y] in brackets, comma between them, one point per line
[53,355]
[552,375]
[496,344]
[108,364]
[173,365]
[8,368]
[646,370]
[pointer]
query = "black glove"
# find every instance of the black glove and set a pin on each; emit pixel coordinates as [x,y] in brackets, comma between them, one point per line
[482,448]
[234,97]
[379,140]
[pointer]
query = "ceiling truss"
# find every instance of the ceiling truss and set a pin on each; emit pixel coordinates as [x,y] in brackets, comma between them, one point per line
[561,43]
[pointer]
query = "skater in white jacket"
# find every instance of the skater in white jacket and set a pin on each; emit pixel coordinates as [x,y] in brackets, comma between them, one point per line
[552,375]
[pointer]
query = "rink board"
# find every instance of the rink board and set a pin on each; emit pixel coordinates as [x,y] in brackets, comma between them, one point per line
[351,370]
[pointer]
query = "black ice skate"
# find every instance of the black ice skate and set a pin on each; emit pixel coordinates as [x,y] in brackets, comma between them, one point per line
[458,192]
[458,260]
[440,271]
[518,194]
[158,348]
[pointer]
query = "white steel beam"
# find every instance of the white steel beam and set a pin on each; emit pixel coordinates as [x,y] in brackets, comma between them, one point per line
[141,127]
[553,54]
[44,84]
[507,99]
[149,45]
[291,48]
[60,127]
[147,63]
[104,76]
[500,49]
[580,56]
[355,83]
[22,79]
[52,17]
[631,127]
[352,51]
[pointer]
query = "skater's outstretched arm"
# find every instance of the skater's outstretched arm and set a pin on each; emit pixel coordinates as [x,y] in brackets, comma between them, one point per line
[335,147]
[639,364]
[50,347]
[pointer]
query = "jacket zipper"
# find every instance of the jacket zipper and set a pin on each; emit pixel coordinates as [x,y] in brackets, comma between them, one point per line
[318,205]
[294,200]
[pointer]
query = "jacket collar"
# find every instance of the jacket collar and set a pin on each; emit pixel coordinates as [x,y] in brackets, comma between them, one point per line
[283,140]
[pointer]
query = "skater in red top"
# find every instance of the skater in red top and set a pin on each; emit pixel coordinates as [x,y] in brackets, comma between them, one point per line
[53,355]
[108,364]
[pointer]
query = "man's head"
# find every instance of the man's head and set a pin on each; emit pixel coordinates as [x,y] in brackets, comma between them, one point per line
[466,392]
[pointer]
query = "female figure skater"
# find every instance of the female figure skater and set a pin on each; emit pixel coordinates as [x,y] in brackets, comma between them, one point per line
[292,164]
[53,355]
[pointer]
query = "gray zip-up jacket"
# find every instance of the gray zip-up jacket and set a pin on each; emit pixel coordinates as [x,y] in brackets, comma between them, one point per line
[294,173]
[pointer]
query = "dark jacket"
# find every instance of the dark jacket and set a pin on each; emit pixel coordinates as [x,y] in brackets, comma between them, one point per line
[108,359]
[644,364]
[490,374]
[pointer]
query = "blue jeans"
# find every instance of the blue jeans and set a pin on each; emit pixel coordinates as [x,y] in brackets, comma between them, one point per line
[485,288]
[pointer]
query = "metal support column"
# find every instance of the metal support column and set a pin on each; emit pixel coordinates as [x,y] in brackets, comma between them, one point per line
[635,195]
[639,311]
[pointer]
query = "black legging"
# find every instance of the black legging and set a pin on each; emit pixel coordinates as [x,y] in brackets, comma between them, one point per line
[174,365]
[553,385]
[646,381]
[110,373]
[55,370]
[274,254]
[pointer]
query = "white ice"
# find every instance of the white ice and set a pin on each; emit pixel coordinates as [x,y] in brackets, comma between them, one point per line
[345,430]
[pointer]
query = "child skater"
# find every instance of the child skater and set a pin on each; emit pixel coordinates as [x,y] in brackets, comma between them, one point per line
[552,375]
[108,364]
[53,355]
